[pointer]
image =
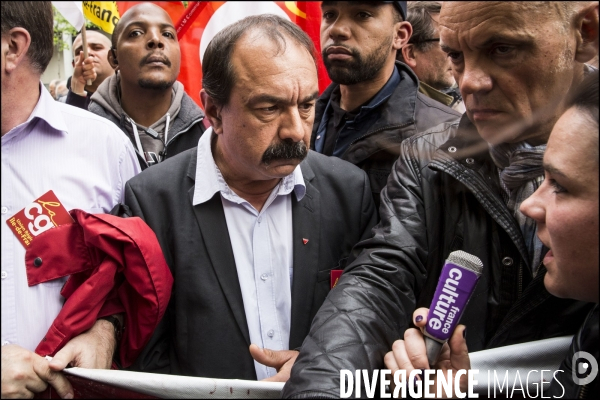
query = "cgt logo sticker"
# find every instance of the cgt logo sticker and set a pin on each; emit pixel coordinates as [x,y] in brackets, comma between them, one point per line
[39,216]
[585,368]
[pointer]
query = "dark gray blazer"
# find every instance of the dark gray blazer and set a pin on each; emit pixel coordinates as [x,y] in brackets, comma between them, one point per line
[204,331]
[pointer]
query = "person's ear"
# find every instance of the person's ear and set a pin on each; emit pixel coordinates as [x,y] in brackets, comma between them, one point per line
[112,59]
[408,53]
[586,24]
[19,41]
[212,112]
[402,33]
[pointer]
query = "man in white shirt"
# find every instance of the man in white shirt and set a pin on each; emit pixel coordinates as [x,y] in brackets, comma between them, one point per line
[85,161]
[253,225]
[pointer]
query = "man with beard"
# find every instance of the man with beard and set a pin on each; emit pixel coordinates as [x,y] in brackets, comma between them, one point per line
[374,102]
[251,222]
[144,97]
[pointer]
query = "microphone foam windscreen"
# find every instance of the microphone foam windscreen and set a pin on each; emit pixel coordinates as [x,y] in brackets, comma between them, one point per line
[467,261]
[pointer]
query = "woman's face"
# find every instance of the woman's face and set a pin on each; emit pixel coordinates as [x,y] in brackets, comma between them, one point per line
[565,208]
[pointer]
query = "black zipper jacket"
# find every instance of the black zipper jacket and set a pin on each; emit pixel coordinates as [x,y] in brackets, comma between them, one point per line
[184,132]
[442,195]
[406,113]
[564,386]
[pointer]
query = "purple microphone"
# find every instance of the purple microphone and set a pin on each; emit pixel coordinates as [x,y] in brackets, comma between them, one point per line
[454,289]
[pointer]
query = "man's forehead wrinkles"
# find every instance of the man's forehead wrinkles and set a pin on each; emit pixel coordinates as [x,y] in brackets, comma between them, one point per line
[456,16]
[495,29]
[501,15]
[498,22]
[281,99]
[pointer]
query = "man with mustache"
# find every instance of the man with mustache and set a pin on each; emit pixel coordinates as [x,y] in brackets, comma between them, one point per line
[251,222]
[144,97]
[459,186]
[374,102]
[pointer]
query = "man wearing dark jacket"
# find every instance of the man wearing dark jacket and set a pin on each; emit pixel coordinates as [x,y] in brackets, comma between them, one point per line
[144,97]
[373,103]
[254,227]
[458,186]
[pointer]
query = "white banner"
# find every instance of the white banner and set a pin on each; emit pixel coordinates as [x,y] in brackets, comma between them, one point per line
[524,369]
[181,387]
[520,368]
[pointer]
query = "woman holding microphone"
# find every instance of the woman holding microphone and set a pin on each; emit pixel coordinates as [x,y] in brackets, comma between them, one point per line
[566,210]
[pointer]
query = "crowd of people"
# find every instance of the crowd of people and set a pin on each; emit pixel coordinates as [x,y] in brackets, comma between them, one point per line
[305,232]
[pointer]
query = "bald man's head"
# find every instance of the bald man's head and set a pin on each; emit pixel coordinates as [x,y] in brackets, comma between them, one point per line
[145,48]
[515,62]
[129,14]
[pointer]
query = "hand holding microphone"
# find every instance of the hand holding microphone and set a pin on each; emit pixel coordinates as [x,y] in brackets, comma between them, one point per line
[410,354]
[455,287]
[441,343]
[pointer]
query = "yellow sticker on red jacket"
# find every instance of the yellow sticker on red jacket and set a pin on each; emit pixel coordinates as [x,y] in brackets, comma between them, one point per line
[335,275]
[42,214]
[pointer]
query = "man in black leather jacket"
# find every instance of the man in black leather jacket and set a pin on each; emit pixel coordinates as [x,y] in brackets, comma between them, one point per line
[374,103]
[447,193]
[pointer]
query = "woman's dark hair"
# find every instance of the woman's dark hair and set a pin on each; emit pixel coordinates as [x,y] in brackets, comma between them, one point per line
[218,76]
[585,96]
[585,99]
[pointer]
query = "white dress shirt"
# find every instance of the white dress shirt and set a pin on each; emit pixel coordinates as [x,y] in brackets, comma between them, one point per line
[85,160]
[262,248]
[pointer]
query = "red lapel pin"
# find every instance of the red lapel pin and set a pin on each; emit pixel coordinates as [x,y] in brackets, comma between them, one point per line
[304,241]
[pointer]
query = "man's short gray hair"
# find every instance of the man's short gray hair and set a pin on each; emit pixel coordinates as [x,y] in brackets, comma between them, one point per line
[419,15]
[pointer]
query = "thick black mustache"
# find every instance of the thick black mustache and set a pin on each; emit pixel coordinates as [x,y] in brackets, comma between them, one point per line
[163,59]
[285,150]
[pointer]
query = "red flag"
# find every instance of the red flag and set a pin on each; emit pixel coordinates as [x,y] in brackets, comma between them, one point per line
[311,24]
[209,17]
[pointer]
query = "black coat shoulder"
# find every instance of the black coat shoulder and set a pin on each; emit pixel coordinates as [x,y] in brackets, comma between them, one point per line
[168,173]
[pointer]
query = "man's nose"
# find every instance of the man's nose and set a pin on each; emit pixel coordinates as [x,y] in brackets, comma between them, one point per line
[155,40]
[340,29]
[474,79]
[292,126]
[91,52]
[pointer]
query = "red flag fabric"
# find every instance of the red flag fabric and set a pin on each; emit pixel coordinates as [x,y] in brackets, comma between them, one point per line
[196,31]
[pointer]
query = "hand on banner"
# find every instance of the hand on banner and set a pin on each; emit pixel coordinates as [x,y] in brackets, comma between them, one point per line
[410,354]
[281,360]
[83,71]
[92,349]
[24,373]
